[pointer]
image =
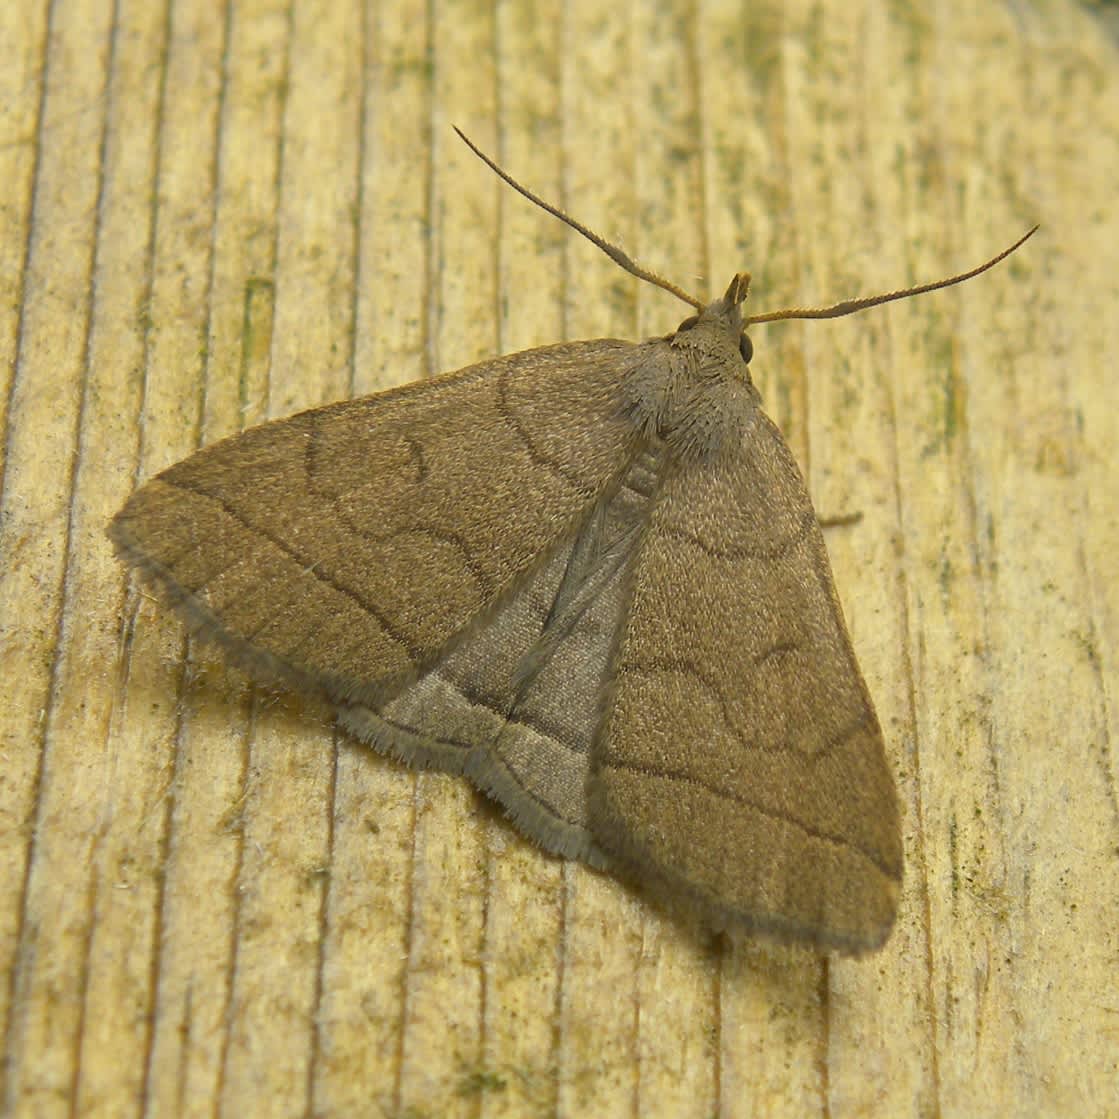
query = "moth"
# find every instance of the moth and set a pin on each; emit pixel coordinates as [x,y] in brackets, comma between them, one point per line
[587,576]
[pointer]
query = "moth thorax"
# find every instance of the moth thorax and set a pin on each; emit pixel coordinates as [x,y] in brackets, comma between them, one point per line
[700,404]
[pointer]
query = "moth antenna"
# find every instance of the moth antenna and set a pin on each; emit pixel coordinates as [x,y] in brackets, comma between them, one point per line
[850,306]
[612,251]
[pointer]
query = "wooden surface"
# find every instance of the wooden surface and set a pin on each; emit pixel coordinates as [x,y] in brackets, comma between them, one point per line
[210,903]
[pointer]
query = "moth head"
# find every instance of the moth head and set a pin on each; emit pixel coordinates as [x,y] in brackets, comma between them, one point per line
[723,317]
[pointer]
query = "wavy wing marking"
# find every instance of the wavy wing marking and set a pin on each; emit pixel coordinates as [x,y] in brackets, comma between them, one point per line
[347,545]
[516,704]
[741,761]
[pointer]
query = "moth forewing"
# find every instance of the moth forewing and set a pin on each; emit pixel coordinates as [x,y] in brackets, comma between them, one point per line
[345,547]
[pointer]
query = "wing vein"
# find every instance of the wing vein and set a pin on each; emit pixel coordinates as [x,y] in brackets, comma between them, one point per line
[774,551]
[693,672]
[683,778]
[310,567]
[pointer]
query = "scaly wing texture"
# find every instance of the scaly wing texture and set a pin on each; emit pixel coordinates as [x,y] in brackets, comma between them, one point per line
[516,704]
[741,760]
[348,545]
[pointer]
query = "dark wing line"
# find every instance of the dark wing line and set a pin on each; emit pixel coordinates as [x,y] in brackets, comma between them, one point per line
[667,774]
[557,469]
[309,565]
[775,551]
[687,668]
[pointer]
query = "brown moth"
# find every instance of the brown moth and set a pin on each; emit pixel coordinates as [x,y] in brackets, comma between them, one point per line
[587,576]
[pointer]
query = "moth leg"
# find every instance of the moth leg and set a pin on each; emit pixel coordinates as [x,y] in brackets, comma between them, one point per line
[839,520]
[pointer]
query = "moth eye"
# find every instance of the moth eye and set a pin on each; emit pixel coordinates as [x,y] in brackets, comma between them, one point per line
[688,323]
[746,348]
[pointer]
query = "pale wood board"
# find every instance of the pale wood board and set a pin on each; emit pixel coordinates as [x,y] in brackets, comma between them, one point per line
[210,903]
